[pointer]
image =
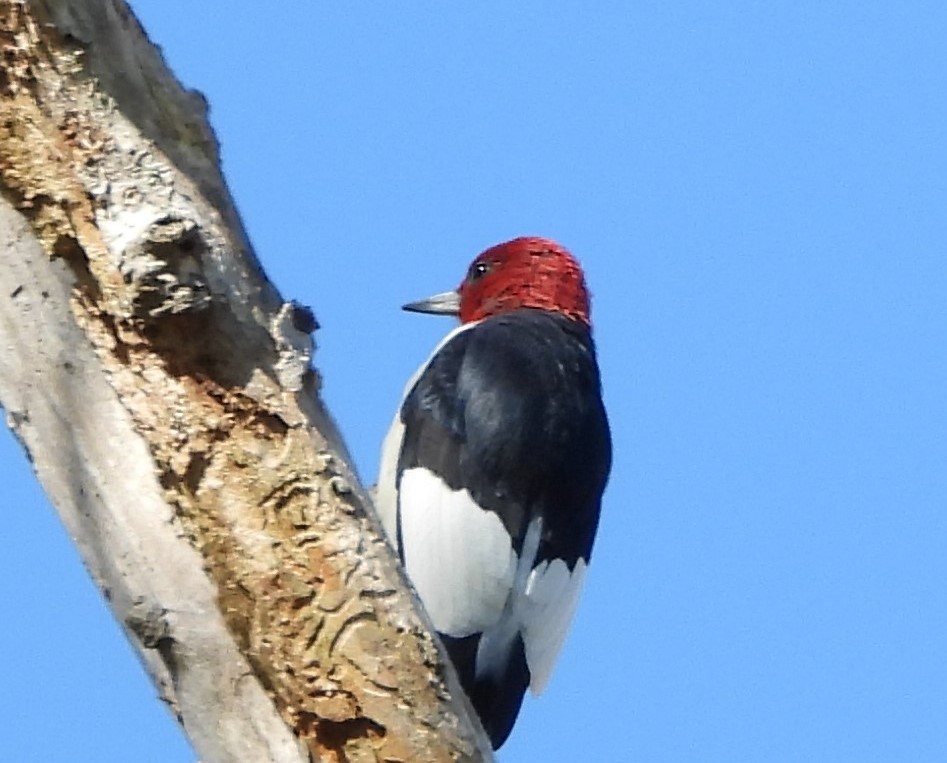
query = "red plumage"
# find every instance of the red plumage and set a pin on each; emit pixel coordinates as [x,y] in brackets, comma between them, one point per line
[527,272]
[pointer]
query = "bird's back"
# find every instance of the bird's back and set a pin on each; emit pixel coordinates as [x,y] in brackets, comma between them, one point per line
[499,473]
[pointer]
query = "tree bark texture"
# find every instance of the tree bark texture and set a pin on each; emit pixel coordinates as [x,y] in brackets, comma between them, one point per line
[164,392]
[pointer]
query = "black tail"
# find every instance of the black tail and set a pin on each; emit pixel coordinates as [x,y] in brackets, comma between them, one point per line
[496,698]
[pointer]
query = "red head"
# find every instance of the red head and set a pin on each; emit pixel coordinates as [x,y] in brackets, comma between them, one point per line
[524,272]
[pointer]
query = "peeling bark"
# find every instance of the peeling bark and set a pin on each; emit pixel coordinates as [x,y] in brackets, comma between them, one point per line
[165,394]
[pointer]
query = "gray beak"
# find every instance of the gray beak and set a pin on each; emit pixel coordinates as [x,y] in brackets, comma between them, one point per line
[445,303]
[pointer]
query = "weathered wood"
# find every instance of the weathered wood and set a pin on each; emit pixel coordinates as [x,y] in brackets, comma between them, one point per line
[164,392]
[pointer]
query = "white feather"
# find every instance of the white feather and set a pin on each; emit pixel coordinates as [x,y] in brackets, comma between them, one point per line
[494,648]
[458,556]
[549,603]
[541,605]
[386,491]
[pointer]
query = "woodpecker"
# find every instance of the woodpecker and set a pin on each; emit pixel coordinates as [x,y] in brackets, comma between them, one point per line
[493,470]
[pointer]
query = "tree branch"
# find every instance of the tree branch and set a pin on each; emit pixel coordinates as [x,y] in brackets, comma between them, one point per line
[164,392]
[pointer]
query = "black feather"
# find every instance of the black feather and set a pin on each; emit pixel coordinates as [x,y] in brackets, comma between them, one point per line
[511,410]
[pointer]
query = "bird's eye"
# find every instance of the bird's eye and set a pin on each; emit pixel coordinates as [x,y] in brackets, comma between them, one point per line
[477,271]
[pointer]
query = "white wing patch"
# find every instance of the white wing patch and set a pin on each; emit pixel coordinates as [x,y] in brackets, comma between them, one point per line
[493,652]
[458,556]
[541,606]
[549,603]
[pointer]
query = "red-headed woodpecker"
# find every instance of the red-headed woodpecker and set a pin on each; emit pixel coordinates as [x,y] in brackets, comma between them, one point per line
[492,473]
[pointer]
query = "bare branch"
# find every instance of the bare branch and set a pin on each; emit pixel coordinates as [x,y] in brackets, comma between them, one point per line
[164,392]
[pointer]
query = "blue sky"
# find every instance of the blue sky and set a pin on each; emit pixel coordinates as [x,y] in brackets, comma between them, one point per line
[758,193]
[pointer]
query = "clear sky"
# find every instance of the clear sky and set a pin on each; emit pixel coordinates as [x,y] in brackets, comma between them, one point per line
[758,192]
